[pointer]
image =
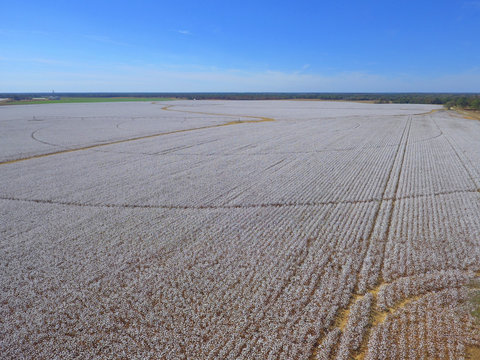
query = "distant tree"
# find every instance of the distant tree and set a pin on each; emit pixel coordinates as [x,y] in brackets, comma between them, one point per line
[475,104]
[462,102]
[450,104]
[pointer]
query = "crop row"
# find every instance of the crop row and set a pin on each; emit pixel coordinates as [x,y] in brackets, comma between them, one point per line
[307,237]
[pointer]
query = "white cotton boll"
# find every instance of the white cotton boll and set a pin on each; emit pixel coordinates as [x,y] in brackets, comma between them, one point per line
[328,344]
[356,326]
[194,245]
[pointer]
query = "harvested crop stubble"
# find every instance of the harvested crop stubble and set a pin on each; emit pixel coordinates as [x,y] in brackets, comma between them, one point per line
[199,230]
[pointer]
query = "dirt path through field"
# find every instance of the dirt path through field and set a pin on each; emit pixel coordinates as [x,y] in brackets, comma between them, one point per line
[251,119]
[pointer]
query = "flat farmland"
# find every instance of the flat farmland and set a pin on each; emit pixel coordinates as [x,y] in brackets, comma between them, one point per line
[239,230]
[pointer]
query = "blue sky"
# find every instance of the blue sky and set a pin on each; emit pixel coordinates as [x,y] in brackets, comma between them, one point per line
[325,46]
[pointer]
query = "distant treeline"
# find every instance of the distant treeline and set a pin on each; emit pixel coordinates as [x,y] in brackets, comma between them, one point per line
[466,100]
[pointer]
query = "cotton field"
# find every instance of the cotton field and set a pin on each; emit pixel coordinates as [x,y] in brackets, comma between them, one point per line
[238,230]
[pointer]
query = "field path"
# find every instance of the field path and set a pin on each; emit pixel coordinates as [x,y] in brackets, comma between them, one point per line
[250,119]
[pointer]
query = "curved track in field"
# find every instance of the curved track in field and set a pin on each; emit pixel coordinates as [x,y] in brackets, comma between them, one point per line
[248,119]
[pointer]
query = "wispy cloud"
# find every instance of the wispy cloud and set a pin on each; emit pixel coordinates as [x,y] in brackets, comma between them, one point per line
[157,78]
[40,64]
[49,61]
[302,69]
[39,60]
[184,32]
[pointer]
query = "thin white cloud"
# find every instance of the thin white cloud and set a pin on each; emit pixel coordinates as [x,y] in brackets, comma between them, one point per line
[40,60]
[184,32]
[304,67]
[166,79]
[49,61]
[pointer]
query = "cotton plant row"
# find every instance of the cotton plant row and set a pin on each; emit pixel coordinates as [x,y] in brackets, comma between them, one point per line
[45,129]
[434,326]
[254,344]
[289,177]
[371,269]
[326,350]
[207,296]
[421,240]
[464,142]
[438,169]
[293,182]
[356,327]
[241,242]
[404,288]
[424,130]
[295,179]
[295,302]
[373,260]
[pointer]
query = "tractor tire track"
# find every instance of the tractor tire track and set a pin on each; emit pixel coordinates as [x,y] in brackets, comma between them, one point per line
[251,119]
